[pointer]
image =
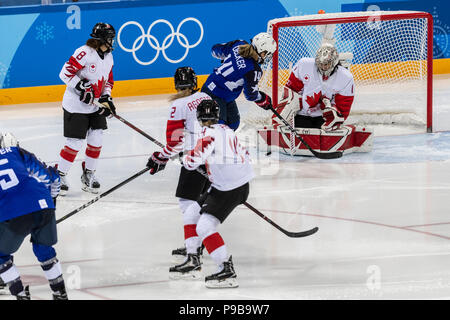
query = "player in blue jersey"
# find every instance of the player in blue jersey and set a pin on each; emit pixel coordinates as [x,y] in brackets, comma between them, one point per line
[28,191]
[240,71]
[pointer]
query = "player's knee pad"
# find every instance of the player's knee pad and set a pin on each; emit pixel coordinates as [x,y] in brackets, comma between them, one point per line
[74,143]
[184,204]
[43,253]
[192,214]
[95,137]
[207,225]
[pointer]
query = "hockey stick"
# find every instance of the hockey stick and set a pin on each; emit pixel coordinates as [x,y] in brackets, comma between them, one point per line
[132,126]
[102,195]
[320,155]
[288,233]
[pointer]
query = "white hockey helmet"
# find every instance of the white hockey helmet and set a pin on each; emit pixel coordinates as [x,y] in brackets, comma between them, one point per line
[8,140]
[327,58]
[263,42]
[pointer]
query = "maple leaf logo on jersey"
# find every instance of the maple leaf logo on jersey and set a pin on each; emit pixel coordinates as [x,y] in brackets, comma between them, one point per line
[98,88]
[313,100]
[92,68]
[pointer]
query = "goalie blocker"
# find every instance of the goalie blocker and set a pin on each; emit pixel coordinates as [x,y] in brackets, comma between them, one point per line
[348,138]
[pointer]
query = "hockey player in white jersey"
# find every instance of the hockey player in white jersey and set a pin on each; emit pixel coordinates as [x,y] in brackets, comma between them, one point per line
[181,134]
[88,76]
[325,88]
[229,170]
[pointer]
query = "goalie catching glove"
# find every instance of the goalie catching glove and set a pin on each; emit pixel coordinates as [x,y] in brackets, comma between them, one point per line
[109,107]
[265,102]
[332,117]
[157,162]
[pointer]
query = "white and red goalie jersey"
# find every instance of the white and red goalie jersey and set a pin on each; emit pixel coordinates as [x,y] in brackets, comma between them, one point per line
[312,88]
[226,160]
[86,63]
[183,129]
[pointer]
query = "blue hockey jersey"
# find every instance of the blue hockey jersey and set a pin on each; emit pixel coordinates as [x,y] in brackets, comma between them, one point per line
[235,74]
[25,183]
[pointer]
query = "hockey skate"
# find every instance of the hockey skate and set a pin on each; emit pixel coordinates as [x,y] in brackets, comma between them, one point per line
[60,295]
[179,254]
[190,269]
[88,181]
[64,184]
[226,278]
[25,295]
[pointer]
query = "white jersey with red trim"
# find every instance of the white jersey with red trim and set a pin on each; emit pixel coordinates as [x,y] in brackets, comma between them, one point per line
[312,87]
[182,127]
[226,160]
[86,63]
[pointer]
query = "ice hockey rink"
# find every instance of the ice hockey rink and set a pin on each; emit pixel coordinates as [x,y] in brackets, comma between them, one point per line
[383,217]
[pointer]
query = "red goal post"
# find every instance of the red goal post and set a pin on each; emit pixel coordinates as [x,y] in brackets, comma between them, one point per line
[392,52]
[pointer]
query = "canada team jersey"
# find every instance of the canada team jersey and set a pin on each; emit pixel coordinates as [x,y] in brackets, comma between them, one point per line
[235,74]
[182,127]
[24,183]
[86,63]
[226,160]
[309,83]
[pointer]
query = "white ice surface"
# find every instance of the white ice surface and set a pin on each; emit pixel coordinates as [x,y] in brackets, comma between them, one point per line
[382,215]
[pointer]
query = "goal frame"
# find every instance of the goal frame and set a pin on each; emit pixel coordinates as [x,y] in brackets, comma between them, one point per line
[361,18]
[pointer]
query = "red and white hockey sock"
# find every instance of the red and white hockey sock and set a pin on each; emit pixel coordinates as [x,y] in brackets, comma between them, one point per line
[92,155]
[190,218]
[94,146]
[216,248]
[67,157]
[214,244]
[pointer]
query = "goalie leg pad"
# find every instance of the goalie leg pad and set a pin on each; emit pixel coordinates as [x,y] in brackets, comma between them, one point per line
[349,138]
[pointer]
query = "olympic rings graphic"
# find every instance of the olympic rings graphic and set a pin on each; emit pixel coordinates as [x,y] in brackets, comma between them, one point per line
[154,43]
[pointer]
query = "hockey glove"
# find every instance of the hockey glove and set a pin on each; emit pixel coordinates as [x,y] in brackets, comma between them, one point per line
[333,119]
[157,162]
[85,91]
[265,102]
[107,101]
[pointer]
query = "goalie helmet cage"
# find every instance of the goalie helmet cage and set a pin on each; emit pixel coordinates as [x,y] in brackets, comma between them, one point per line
[391,56]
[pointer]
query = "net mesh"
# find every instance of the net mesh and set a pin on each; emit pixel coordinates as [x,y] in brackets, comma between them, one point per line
[388,59]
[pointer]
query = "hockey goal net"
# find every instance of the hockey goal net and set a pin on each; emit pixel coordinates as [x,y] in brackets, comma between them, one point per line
[390,57]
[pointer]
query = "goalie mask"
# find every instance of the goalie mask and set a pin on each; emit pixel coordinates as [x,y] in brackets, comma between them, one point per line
[208,110]
[185,78]
[263,42]
[8,140]
[105,33]
[327,58]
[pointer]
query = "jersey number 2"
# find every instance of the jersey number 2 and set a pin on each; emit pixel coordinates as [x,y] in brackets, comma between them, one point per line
[13,181]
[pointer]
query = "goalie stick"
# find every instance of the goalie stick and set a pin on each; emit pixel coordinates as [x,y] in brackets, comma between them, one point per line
[320,155]
[102,195]
[288,233]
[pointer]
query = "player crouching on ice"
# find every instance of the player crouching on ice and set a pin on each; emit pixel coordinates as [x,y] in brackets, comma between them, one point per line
[229,170]
[324,90]
[28,191]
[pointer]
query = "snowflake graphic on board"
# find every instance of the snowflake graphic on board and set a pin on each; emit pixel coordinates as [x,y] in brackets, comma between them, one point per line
[440,36]
[44,32]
